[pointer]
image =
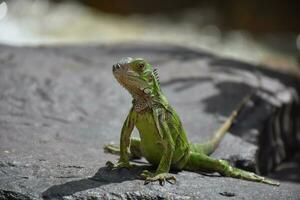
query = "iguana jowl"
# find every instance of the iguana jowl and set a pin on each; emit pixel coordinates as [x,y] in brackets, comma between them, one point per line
[163,141]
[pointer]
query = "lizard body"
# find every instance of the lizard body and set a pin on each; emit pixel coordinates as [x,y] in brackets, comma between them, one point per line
[163,141]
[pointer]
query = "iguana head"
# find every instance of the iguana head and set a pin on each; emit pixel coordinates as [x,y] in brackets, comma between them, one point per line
[137,76]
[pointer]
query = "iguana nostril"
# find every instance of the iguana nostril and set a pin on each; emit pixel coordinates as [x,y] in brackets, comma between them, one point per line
[116,67]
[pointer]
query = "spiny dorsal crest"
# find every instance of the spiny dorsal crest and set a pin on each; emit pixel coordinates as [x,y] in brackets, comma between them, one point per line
[155,72]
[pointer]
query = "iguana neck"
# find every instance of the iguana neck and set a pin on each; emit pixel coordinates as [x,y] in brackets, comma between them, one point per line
[146,95]
[143,102]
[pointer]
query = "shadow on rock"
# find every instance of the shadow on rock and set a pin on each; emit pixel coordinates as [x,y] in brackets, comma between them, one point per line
[231,66]
[185,83]
[103,176]
[288,171]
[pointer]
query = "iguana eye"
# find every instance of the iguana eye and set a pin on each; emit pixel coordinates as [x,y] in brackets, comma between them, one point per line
[141,66]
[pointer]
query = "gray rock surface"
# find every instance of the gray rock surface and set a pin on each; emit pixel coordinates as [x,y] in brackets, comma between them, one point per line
[60,105]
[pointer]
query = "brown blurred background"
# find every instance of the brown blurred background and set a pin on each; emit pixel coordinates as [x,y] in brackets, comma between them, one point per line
[255,15]
[261,32]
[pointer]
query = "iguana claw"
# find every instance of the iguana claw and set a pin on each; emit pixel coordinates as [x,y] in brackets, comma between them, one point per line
[161,178]
[265,180]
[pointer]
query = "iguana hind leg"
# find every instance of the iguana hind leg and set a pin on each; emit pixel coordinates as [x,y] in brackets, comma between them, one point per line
[201,162]
[135,150]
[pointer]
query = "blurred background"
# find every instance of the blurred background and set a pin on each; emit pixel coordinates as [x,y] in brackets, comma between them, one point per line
[264,32]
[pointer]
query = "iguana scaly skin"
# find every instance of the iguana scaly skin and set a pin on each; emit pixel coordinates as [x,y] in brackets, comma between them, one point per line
[163,141]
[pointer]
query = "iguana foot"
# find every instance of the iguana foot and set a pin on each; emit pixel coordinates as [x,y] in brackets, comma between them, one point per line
[241,174]
[264,180]
[161,177]
[119,165]
[113,149]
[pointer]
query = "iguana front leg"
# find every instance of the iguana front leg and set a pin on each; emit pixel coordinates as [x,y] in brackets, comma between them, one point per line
[167,143]
[124,143]
[135,149]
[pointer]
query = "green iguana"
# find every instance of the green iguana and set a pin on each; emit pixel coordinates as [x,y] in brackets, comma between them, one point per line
[163,141]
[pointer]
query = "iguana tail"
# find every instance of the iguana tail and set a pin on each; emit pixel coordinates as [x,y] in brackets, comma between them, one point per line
[210,146]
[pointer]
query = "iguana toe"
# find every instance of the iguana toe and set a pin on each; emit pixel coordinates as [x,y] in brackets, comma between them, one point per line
[161,178]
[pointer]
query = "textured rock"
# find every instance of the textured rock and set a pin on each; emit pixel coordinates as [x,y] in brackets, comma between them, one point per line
[60,105]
